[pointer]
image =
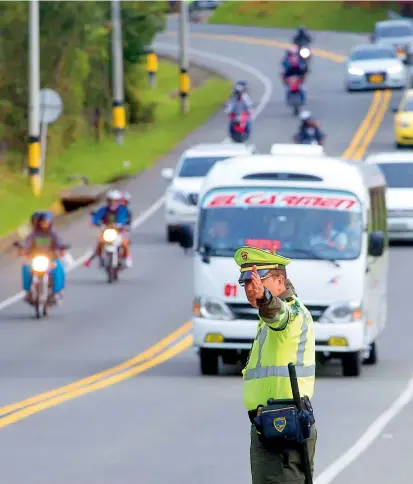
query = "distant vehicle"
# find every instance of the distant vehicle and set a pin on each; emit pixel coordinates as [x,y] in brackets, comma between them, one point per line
[403,120]
[397,34]
[397,168]
[297,150]
[328,215]
[206,4]
[375,67]
[182,195]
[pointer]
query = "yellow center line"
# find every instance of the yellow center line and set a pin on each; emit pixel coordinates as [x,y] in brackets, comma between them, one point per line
[141,357]
[365,123]
[179,340]
[374,126]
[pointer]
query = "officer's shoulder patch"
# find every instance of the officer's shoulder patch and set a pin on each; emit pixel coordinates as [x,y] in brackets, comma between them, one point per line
[293,312]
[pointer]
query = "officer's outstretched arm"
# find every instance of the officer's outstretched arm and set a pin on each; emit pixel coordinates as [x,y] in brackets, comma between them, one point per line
[277,314]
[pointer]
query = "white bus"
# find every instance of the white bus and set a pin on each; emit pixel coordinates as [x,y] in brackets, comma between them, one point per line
[329,216]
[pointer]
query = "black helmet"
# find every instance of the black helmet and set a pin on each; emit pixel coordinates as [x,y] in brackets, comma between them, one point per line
[45,216]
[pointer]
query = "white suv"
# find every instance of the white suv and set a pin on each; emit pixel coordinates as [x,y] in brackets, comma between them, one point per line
[181,197]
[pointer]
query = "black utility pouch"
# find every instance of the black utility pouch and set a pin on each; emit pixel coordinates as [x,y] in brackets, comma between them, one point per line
[283,422]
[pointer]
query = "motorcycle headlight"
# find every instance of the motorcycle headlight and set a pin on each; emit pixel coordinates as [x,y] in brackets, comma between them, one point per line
[109,235]
[343,312]
[40,263]
[211,308]
[305,53]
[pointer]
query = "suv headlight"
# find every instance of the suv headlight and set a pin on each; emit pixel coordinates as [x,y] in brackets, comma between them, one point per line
[178,196]
[342,312]
[211,308]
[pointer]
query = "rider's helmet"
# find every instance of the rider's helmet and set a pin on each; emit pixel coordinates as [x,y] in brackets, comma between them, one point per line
[44,221]
[126,198]
[34,217]
[113,199]
[305,116]
[291,51]
[301,29]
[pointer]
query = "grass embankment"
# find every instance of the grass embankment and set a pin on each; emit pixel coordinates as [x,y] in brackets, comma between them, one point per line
[104,161]
[325,15]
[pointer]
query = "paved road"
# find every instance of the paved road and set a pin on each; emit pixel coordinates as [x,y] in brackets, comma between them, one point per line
[168,424]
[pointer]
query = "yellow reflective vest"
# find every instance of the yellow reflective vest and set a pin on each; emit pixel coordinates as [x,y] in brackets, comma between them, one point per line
[286,338]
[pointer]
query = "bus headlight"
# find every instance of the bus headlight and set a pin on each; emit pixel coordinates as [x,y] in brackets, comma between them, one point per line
[211,308]
[342,312]
[40,263]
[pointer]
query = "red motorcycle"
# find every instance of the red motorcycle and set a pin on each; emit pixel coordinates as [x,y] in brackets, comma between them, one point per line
[238,127]
[295,96]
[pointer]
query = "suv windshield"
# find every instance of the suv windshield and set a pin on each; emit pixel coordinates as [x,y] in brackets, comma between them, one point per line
[198,166]
[394,31]
[398,175]
[372,54]
[303,224]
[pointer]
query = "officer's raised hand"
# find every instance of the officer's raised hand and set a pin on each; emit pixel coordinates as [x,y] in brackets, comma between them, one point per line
[257,285]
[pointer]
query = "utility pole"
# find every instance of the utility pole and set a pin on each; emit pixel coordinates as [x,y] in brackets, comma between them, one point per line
[184,80]
[118,108]
[34,98]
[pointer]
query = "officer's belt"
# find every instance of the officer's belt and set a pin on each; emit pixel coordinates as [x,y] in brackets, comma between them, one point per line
[305,402]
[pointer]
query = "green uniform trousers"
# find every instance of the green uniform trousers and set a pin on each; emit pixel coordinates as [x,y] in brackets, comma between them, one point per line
[273,466]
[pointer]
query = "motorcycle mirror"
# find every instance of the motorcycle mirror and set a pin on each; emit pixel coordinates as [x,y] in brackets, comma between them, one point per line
[167,173]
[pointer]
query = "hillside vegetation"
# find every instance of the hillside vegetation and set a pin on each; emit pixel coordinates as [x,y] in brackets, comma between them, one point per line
[350,16]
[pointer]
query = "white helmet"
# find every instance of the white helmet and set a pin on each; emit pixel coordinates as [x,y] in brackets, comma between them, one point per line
[127,196]
[114,195]
[305,115]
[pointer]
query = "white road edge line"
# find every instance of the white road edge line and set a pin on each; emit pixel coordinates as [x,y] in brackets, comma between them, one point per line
[143,217]
[369,436]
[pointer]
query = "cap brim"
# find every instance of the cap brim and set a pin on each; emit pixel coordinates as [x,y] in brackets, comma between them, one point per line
[247,275]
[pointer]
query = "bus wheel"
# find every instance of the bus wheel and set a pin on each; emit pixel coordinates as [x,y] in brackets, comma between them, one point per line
[209,361]
[351,363]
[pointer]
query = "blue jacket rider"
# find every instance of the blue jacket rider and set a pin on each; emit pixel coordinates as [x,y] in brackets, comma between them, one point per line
[113,213]
[309,129]
[44,241]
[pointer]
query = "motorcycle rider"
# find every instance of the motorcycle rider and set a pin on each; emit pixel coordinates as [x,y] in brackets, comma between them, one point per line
[302,37]
[295,68]
[291,53]
[110,214]
[45,240]
[309,129]
[240,103]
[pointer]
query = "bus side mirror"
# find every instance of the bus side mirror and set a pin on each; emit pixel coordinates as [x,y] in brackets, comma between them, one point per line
[185,237]
[376,243]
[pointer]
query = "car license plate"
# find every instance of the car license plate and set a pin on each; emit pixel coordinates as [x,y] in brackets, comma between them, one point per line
[376,78]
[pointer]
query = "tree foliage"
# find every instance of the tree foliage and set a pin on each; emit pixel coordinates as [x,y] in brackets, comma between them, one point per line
[75,45]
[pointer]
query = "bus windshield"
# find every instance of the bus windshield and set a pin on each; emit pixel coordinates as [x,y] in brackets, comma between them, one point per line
[301,223]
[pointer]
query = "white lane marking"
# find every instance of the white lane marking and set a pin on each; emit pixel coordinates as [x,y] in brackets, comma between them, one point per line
[268,89]
[369,436]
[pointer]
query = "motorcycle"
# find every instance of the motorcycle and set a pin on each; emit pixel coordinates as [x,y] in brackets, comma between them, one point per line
[111,252]
[295,94]
[304,53]
[238,127]
[307,141]
[41,289]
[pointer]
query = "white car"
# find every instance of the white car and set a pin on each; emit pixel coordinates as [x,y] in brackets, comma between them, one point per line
[284,149]
[398,170]
[375,67]
[181,197]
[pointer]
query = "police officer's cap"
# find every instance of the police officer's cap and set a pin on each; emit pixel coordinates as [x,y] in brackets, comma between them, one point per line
[247,257]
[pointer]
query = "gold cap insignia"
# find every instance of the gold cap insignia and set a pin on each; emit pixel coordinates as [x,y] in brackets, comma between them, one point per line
[244,255]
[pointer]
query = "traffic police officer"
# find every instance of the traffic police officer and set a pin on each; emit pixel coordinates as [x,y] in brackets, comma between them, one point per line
[285,334]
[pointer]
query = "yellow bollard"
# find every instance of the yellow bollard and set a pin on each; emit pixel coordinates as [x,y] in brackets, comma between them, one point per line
[34,164]
[184,88]
[152,67]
